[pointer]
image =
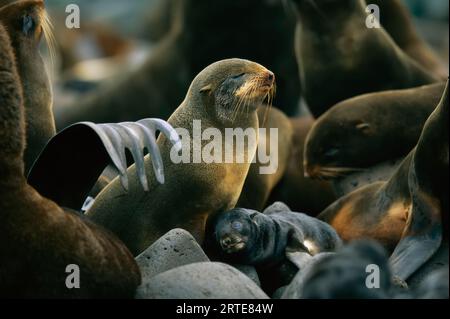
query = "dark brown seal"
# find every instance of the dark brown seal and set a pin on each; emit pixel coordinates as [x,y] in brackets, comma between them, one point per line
[38,239]
[337,51]
[410,209]
[397,21]
[26,22]
[295,189]
[369,129]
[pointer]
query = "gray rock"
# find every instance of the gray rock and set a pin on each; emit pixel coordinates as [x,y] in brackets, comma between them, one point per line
[205,280]
[294,289]
[250,272]
[174,249]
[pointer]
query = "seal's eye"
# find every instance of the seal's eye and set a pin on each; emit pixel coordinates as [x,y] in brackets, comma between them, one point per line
[236,226]
[235,77]
[28,24]
[331,152]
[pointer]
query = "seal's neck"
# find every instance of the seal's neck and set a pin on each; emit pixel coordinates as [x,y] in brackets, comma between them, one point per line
[314,15]
[12,123]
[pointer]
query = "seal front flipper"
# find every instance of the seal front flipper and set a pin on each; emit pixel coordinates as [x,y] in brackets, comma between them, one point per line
[73,160]
[428,185]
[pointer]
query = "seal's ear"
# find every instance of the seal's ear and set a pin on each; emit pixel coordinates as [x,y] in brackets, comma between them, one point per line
[363,127]
[206,88]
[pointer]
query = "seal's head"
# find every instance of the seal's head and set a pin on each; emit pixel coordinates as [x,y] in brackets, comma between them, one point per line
[234,230]
[232,87]
[342,141]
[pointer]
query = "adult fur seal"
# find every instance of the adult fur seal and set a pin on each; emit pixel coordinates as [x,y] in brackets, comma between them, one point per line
[217,97]
[396,20]
[248,237]
[297,191]
[410,207]
[160,84]
[38,239]
[336,50]
[369,129]
[258,186]
[26,22]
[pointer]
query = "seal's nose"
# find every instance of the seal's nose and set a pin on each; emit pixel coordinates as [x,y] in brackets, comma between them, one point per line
[226,242]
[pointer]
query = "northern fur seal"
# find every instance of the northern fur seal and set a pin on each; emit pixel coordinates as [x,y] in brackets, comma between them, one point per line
[369,129]
[38,239]
[396,20]
[295,190]
[161,83]
[336,50]
[258,187]
[248,237]
[26,22]
[217,97]
[408,212]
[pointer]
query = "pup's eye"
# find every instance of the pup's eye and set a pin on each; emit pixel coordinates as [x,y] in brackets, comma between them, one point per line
[238,76]
[236,226]
[28,24]
[332,152]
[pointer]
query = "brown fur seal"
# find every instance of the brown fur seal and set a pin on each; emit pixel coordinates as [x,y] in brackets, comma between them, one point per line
[409,207]
[192,191]
[160,84]
[336,50]
[38,239]
[428,180]
[26,22]
[257,187]
[294,189]
[369,129]
[396,20]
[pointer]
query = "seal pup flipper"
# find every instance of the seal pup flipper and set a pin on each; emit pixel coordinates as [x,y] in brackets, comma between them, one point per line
[428,185]
[87,148]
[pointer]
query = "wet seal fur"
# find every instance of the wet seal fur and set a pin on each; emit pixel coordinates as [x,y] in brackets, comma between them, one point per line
[336,50]
[38,239]
[224,95]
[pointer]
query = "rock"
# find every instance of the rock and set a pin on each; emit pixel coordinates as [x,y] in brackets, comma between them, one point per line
[250,272]
[174,249]
[344,274]
[206,280]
